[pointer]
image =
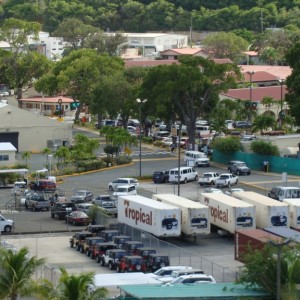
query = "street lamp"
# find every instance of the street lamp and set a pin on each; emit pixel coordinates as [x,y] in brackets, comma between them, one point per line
[278,263]
[50,157]
[250,73]
[178,149]
[59,102]
[140,135]
[281,81]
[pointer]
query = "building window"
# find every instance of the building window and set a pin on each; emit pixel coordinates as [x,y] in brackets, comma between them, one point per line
[47,107]
[29,105]
[4,157]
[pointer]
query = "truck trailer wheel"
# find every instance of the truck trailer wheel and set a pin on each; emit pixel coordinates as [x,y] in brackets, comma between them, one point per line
[7,228]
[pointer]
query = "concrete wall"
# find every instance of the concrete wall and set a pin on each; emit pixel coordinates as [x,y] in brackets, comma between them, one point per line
[11,158]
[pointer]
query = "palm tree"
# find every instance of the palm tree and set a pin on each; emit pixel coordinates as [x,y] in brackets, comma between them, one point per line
[75,287]
[46,151]
[268,102]
[262,122]
[26,155]
[62,154]
[16,273]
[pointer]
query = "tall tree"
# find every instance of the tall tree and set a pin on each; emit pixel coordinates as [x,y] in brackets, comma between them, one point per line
[26,155]
[20,63]
[16,273]
[188,90]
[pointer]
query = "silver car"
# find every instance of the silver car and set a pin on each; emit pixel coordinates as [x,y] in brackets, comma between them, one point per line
[112,186]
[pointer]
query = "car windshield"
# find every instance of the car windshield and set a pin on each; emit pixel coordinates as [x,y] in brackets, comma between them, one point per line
[107,204]
[136,261]
[80,193]
[81,215]
[241,164]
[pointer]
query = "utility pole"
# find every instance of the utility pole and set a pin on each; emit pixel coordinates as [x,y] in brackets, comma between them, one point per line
[261,22]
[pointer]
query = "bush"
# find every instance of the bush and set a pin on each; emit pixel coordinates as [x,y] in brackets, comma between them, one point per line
[147,140]
[84,166]
[158,143]
[264,148]
[123,160]
[227,145]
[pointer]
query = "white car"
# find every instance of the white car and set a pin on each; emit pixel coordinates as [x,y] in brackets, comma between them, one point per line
[209,178]
[212,190]
[167,271]
[84,207]
[227,179]
[193,279]
[122,181]
[6,225]
[233,190]
[175,274]
[124,190]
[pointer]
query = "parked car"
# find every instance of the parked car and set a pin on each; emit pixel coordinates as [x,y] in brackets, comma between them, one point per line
[177,273]
[132,246]
[85,207]
[109,207]
[78,239]
[89,243]
[209,178]
[36,202]
[119,240]
[167,271]
[160,176]
[6,225]
[43,185]
[212,190]
[112,257]
[108,234]
[131,263]
[241,124]
[238,167]
[59,210]
[95,228]
[157,261]
[99,199]
[186,174]
[284,192]
[158,135]
[122,181]
[82,196]
[193,279]
[78,218]
[144,252]
[124,190]
[227,179]
[199,159]
[101,248]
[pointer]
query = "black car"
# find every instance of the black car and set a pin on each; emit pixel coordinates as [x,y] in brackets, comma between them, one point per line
[157,261]
[241,124]
[160,177]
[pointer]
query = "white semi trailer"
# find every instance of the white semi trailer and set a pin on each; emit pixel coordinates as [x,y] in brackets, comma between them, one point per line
[194,215]
[294,212]
[160,219]
[269,212]
[229,213]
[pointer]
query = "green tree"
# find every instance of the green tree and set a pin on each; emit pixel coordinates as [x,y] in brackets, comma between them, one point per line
[227,145]
[26,155]
[62,155]
[46,151]
[264,148]
[263,122]
[225,45]
[20,63]
[16,273]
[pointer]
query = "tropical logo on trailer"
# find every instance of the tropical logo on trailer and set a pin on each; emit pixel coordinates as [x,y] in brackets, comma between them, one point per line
[137,215]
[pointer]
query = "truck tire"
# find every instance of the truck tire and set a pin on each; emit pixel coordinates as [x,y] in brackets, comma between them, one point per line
[71,244]
[185,180]
[196,178]
[87,253]
[110,265]
[237,181]
[102,262]
[138,267]
[118,269]
[7,228]
[77,247]
[228,185]
[34,208]
[110,188]
[81,250]
[52,215]
[212,183]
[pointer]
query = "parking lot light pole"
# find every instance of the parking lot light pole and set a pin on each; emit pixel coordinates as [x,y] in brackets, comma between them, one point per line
[250,73]
[278,264]
[140,102]
[281,81]
[50,158]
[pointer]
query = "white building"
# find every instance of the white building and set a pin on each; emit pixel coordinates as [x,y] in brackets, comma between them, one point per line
[30,131]
[7,154]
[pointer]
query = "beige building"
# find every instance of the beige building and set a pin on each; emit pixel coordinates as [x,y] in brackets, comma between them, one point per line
[7,154]
[30,131]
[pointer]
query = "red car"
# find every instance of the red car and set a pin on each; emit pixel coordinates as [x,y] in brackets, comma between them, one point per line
[43,185]
[131,263]
[78,218]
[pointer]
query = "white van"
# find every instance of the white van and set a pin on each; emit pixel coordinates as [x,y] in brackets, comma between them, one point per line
[284,192]
[186,174]
[198,158]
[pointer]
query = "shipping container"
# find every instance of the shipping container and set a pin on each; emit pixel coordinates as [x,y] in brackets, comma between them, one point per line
[247,240]
[229,213]
[269,212]
[285,233]
[194,215]
[294,212]
[160,219]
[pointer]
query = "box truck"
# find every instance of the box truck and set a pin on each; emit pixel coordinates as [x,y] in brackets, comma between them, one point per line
[248,240]
[294,212]
[194,215]
[160,219]
[229,213]
[269,212]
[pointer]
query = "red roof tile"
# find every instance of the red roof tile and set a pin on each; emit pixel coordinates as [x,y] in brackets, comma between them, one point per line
[47,99]
[258,93]
[281,72]
[260,76]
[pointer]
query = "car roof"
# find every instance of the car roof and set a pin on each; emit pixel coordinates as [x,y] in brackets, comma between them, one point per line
[225,174]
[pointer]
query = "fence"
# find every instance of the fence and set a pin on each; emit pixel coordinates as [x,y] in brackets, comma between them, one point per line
[256,162]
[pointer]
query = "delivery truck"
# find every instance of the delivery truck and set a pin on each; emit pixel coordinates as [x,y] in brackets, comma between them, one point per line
[246,241]
[269,212]
[294,212]
[229,213]
[160,219]
[194,215]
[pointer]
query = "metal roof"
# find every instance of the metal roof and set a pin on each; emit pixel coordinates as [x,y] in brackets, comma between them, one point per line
[285,233]
[201,291]
[4,171]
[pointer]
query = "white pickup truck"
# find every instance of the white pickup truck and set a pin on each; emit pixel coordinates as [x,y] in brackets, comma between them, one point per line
[227,179]
[209,178]
[6,225]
